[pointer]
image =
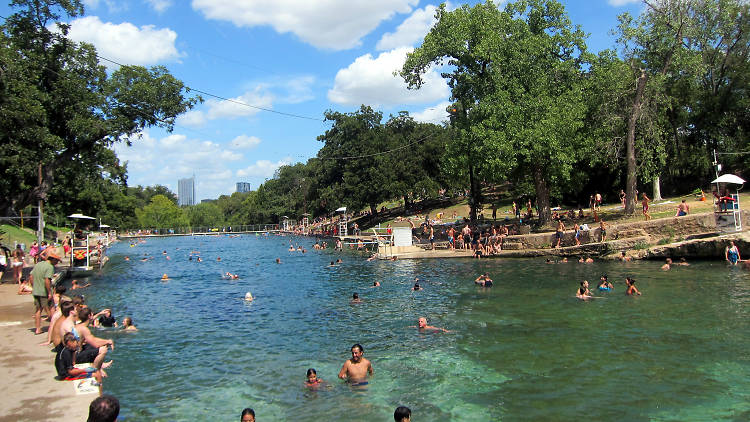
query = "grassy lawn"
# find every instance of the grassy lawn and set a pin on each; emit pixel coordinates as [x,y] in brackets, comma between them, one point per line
[12,234]
[611,213]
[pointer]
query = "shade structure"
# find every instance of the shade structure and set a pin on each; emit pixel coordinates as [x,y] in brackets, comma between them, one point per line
[81,216]
[342,209]
[729,178]
[103,226]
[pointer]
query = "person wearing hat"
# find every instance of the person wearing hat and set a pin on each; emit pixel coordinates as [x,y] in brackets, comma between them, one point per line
[41,281]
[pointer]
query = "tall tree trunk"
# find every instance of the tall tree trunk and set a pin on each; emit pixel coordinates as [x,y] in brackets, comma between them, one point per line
[657,189]
[635,113]
[475,194]
[542,195]
[373,209]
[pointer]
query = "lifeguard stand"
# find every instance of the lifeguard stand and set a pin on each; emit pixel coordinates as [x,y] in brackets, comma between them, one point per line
[729,219]
[343,222]
[305,221]
[285,223]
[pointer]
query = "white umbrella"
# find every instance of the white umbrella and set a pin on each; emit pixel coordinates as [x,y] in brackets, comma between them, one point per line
[342,209]
[104,226]
[77,215]
[729,178]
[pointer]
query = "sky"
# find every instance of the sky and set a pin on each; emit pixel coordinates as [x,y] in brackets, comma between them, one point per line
[295,57]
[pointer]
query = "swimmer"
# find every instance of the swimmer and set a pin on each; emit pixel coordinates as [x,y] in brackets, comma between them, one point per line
[394,257]
[583,292]
[732,253]
[355,298]
[484,280]
[199,259]
[312,379]
[356,369]
[624,258]
[127,324]
[127,258]
[218,258]
[667,264]
[564,260]
[422,326]
[291,248]
[75,285]
[249,297]
[332,264]
[164,277]
[373,257]
[375,284]
[339,261]
[683,262]
[278,260]
[589,260]
[416,287]
[631,287]
[604,284]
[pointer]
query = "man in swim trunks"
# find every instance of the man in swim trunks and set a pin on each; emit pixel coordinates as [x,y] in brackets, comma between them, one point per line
[559,232]
[356,369]
[683,209]
[602,231]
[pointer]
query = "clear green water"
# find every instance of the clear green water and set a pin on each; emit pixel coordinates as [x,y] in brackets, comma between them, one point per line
[525,349]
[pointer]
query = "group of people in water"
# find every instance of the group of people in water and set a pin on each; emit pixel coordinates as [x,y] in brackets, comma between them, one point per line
[584,293]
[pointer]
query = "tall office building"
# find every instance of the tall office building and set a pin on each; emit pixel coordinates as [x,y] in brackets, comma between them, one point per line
[186,191]
[243,187]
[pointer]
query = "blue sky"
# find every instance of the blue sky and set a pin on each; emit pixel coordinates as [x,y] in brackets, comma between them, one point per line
[301,57]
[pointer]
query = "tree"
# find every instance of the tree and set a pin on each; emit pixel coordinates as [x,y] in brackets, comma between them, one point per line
[205,215]
[161,213]
[516,79]
[59,107]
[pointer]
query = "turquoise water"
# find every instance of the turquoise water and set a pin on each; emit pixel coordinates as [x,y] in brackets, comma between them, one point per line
[525,349]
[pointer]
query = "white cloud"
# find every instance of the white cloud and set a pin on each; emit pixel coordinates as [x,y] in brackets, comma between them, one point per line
[126,43]
[112,5]
[160,5]
[618,3]
[244,142]
[435,114]
[262,168]
[192,118]
[238,106]
[164,160]
[330,24]
[371,81]
[411,31]
[297,90]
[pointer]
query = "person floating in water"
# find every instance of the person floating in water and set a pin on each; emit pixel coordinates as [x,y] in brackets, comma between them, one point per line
[667,264]
[732,253]
[278,260]
[375,284]
[356,369]
[583,292]
[416,287]
[249,297]
[355,298]
[631,287]
[164,277]
[75,285]
[422,326]
[604,284]
[403,413]
[484,280]
[248,415]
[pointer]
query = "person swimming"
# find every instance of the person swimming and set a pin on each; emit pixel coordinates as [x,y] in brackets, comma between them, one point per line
[249,297]
[164,277]
[416,287]
[604,284]
[355,298]
[631,287]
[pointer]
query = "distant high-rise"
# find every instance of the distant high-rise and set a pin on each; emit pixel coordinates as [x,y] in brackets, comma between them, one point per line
[243,187]
[186,191]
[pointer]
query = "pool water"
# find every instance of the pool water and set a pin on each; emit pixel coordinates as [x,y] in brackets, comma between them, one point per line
[525,349]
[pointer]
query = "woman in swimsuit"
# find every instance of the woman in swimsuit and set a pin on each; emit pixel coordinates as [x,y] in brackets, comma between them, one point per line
[731,253]
[583,291]
[644,202]
[631,287]
[17,263]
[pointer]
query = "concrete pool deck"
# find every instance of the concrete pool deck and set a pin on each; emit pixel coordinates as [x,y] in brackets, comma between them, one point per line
[31,392]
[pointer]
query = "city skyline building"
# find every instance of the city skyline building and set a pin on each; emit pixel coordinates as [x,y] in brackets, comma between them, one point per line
[186,192]
[243,187]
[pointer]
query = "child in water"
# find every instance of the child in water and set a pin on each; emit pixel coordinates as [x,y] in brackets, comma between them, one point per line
[312,379]
[631,287]
[127,324]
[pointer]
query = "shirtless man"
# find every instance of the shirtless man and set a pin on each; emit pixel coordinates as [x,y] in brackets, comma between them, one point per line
[683,209]
[602,231]
[422,326]
[356,369]
[667,264]
[92,341]
[559,232]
